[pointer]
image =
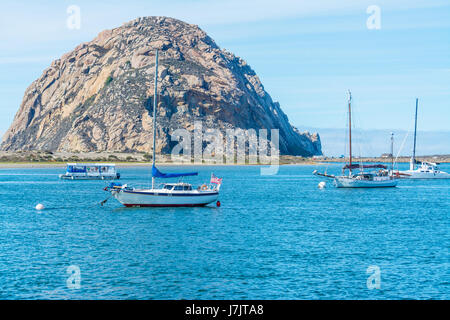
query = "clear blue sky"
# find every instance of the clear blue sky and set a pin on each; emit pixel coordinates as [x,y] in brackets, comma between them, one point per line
[307,53]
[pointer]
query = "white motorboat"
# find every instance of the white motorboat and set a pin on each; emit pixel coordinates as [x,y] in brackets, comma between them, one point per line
[178,194]
[376,179]
[90,171]
[421,169]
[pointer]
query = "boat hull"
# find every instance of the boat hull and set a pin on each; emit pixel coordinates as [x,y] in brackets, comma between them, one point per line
[87,177]
[135,198]
[346,182]
[414,174]
[131,205]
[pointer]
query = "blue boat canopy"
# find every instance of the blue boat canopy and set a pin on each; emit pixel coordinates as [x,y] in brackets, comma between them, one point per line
[76,169]
[158,174]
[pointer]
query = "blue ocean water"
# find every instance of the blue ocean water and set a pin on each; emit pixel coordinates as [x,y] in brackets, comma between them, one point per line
[274,237]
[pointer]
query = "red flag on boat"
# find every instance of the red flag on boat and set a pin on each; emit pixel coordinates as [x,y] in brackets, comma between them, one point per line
[215,180]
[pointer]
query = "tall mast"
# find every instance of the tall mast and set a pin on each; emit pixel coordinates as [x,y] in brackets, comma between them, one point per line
[155,103]
[350,127]
[413,160]
[392,151]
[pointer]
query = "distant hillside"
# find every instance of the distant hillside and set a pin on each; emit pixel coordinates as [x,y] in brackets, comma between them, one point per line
[373,143]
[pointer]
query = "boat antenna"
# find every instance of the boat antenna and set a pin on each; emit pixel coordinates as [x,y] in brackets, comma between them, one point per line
[350,128]
[413,160]
[155,103]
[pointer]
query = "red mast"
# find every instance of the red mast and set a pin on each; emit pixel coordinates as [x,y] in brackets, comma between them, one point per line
[350,127]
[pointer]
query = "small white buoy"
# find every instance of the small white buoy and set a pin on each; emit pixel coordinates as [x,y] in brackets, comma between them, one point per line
[322,185]
[40,206]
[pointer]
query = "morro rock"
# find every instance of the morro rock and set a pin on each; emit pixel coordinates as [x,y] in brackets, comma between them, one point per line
[98,97]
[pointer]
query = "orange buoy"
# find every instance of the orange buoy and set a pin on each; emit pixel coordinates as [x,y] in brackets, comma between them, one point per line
[218,203]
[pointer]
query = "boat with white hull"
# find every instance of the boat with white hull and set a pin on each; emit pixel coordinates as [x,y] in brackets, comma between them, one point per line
[364,181]
[424,169]
[377,179]
[178,194]
[170,195]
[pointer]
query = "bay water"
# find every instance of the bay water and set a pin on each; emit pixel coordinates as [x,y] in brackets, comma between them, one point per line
[273,237]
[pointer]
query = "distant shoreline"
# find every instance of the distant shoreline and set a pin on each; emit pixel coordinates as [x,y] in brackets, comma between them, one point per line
[434,159]
[52,164]
[46,159]
[6,165]
[30,165]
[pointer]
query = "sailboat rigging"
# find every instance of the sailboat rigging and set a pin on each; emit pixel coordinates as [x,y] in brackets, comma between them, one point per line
[178,194]
[421,169]
[362,179]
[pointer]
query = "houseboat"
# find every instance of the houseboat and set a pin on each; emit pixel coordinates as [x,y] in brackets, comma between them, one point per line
[90,171]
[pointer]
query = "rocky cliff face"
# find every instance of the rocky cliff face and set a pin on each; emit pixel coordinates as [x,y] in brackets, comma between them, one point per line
[99,96]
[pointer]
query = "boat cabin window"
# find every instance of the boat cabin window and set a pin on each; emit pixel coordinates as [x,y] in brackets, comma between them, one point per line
[177,187]
[182,188]
[107,169]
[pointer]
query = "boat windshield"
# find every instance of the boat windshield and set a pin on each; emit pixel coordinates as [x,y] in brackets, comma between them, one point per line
[177,187]
[182,188]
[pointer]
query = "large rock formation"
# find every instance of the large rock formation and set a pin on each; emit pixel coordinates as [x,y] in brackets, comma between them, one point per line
[99,96]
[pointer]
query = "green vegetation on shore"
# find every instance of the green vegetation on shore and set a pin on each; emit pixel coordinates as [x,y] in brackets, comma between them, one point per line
[60,158]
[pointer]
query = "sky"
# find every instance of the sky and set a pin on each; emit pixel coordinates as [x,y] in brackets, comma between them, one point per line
[374,143]
[308,54]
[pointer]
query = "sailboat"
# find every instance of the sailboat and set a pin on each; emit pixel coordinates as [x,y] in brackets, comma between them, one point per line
[178,194]
[376,179]
[424,169]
